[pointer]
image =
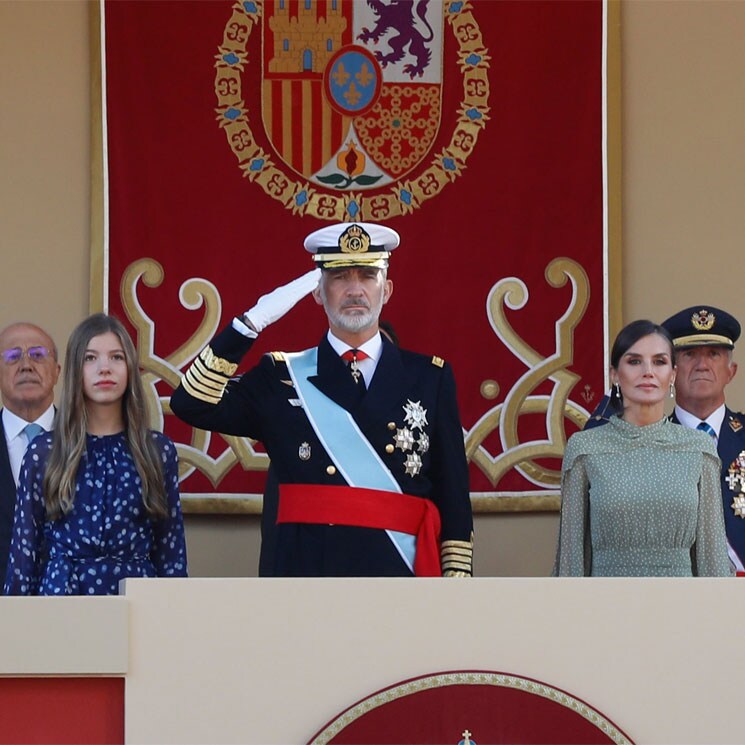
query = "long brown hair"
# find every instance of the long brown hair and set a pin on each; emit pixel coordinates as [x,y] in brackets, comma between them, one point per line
[69,443]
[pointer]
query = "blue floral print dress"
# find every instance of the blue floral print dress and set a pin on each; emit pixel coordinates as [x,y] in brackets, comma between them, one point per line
[107,536]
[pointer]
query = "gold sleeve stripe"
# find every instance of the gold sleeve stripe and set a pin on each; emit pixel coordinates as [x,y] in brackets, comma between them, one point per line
[200,371]
[456,558]
[196,393]
[206,387]
[207,377]
[215,383]
[458,544]
[217,364]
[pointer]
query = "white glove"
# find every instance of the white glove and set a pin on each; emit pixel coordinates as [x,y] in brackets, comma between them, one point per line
[271,307]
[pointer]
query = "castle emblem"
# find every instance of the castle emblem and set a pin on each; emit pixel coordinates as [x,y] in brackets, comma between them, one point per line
[361,76]
[351,101]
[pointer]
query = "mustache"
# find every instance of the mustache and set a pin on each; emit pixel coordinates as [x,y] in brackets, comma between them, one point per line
[355,304]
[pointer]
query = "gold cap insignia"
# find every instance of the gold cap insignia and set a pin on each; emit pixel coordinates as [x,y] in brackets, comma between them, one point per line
[703,320]
[354,240]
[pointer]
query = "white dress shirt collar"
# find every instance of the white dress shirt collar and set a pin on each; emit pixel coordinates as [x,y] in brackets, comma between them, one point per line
[714,420]
[14,425]
[373,348]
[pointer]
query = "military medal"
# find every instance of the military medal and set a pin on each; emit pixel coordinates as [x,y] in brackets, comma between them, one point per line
[404,439]
[413,464]
[422,444]
[415,415]
[354,368]
[736,482]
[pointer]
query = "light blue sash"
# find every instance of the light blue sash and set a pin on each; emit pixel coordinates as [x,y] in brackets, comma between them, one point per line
[352,453]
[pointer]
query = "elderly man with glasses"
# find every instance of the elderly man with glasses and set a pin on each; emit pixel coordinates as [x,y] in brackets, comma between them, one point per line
[28,374]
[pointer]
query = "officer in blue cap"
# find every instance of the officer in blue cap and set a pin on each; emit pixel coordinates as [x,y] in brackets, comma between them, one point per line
[704,337]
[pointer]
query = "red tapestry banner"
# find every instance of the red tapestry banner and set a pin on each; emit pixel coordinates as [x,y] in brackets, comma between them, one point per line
[476,129]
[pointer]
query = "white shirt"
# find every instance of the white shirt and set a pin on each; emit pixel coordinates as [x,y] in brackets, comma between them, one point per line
[15,437]
[373,348]
[714,420]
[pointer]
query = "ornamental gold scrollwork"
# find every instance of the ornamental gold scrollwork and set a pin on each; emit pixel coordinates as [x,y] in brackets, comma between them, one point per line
[520,400]
[194,294]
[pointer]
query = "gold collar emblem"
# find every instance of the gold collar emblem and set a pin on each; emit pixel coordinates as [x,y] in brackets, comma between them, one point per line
[703,320]
[735,424]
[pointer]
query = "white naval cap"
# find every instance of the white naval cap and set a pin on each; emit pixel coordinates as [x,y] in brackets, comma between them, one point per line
[352,244]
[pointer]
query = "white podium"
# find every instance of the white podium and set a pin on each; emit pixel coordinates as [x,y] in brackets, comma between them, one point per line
[273,660]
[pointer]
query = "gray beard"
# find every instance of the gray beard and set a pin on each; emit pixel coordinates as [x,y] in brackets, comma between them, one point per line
[353,323]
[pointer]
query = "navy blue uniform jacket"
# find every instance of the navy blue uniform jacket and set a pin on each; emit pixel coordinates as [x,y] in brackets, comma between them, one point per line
[262,404]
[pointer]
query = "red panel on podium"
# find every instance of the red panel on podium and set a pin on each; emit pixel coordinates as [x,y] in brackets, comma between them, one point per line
[62,710]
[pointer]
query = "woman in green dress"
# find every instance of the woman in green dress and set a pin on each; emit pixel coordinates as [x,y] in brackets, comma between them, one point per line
[641,495]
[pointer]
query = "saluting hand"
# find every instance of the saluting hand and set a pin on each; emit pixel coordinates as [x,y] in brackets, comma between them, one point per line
[272,306]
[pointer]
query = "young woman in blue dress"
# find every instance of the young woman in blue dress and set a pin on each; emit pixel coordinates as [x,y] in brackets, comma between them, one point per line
[98,497]
[641,494]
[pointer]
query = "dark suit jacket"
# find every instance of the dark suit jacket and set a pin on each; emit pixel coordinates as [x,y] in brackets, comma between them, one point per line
[260,405]
[7,504]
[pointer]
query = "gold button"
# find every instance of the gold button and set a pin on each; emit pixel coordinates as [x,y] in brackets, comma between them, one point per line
[330,470]
[391,425]
[389,448]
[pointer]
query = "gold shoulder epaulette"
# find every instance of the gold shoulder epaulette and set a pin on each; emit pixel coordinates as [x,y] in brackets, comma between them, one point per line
[438,361]
[278,356]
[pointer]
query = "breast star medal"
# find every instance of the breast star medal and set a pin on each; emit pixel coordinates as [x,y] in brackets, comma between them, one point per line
[404,439]
[413,464]
[736,482]
[415,415]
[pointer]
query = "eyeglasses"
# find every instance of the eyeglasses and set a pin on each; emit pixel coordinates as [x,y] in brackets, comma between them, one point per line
[13,355]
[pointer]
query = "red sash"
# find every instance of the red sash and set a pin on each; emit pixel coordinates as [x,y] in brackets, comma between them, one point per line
[367,508]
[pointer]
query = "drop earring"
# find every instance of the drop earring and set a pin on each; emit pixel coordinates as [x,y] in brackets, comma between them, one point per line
[672,390]
[617,390]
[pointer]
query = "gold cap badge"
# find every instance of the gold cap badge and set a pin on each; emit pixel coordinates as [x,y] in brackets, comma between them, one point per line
[703,320]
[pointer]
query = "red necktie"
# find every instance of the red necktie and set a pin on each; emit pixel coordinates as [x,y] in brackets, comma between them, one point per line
[353,356]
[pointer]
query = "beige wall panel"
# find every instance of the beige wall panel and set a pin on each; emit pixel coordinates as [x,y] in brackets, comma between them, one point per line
[683,159]
[44,164]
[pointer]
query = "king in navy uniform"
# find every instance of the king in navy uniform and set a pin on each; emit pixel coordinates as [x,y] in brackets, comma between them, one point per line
[364,438]
[704,339]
